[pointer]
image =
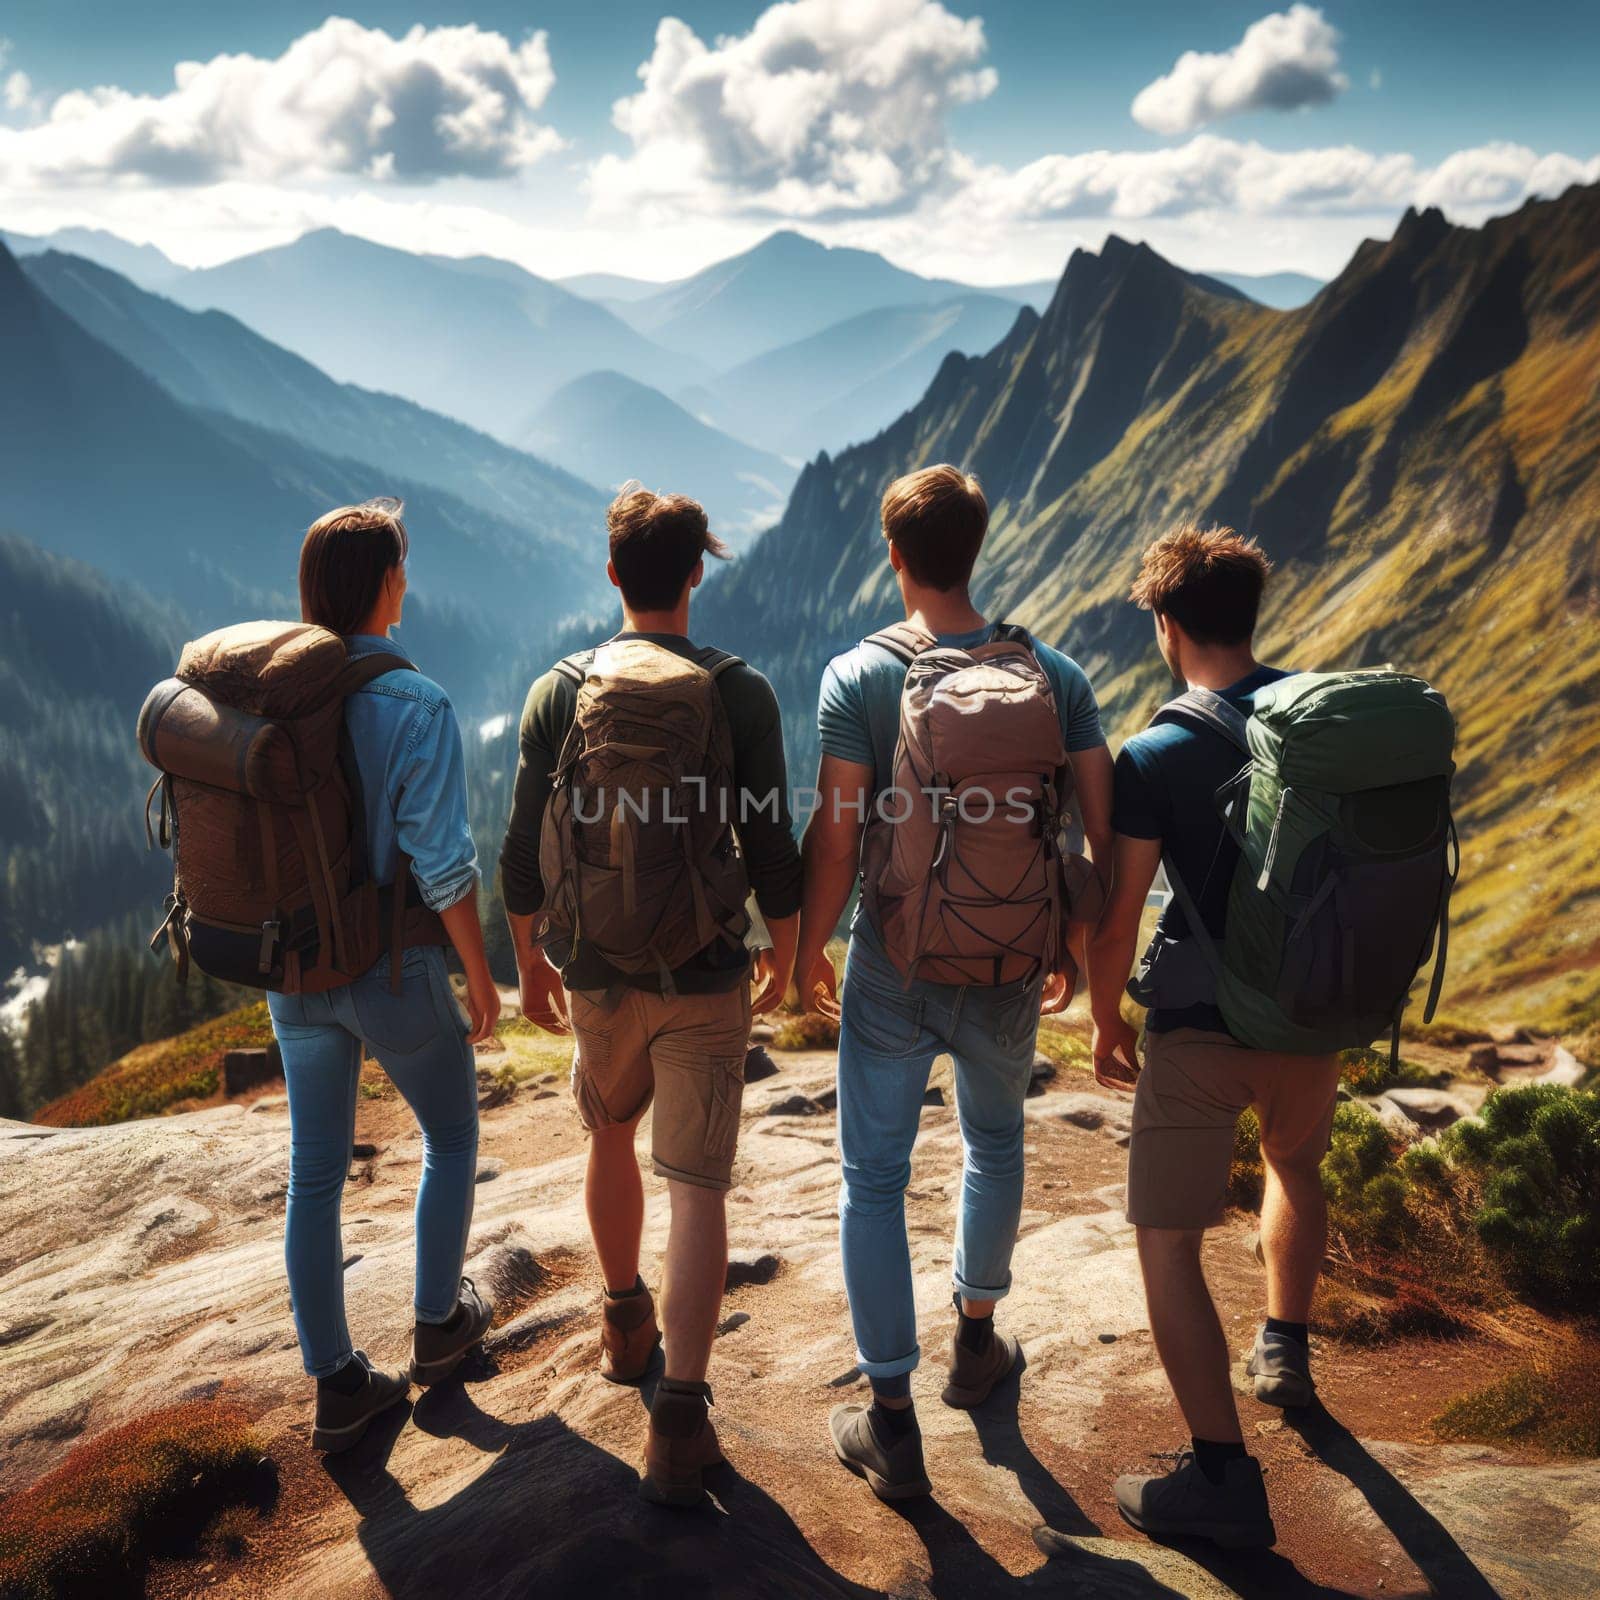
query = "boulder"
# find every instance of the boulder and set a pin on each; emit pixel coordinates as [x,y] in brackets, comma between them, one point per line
[758,1064]
[1094,1111]
[249,1069]
[1565,1068]
[1397,1123]
[1484,1058]
[751,1266]
[795,1105]
[1430,1109]
[1043,1073]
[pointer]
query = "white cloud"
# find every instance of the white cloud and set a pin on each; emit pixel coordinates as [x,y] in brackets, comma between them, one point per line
[1286,60]
[342,98]
[1224,175]
[823,107]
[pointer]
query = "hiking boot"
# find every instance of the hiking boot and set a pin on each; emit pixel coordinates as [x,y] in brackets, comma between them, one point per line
[1281,1366]
[975,1374]
[1186,1504]
[628,1336]
[342,1419]
[680,1445]
[437,1348]
[893,1470]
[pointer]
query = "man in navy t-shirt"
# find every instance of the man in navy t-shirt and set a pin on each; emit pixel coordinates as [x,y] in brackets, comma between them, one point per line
[1204,588]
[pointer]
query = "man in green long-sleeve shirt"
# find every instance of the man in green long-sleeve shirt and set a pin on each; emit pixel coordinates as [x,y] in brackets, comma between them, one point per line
[677,1039]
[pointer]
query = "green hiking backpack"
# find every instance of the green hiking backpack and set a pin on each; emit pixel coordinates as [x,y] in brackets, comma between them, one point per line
[1347,856]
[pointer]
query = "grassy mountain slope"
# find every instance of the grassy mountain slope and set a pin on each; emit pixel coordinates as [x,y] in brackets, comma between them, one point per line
[210,359]
[479,339]
[1419,450]
[609,428]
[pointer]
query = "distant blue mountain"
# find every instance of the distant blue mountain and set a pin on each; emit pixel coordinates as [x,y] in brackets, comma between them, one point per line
[610,428]
[143,263]
[1284,290]
[478,339]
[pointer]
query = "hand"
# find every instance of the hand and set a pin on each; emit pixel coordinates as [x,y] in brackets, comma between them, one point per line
[820,991]
[1116,1054]
[544,1001]
[483,1005]
[764,979]
[1056,995]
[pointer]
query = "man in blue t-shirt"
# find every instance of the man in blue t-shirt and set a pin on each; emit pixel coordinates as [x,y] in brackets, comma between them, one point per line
[891,1029]
[1204,589]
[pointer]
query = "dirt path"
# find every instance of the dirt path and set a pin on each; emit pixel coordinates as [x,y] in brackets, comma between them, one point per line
[158,1266]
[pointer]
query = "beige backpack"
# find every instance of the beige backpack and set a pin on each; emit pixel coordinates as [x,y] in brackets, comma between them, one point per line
[962,871]
[638,850]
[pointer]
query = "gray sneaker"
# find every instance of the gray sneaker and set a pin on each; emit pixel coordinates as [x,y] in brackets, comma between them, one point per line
[894,1471]
[1186,1504]
[437,1348]
[342,1419]
[1281,1366]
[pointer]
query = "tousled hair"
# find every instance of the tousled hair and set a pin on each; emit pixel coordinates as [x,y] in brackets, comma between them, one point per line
[344,560]
[936,519]
[1207,580]
[656,540]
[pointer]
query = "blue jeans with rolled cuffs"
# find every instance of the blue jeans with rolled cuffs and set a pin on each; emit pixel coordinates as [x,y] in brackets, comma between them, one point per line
[889,1035]
[419,1038]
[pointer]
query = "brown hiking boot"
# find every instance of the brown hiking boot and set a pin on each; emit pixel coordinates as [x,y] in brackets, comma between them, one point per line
[893,1468]
[681,1444]
[974,1374]
[628,1336]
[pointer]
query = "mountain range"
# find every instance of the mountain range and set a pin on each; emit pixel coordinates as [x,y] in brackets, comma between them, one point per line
[1418,449]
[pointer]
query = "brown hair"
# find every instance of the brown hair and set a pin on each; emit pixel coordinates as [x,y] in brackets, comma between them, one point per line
[936,519]
[345,558]
[1207,580]
[656,539]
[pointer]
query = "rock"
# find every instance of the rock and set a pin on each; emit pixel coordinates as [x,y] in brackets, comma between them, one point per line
[1565,1068]
[736,1320]
[1084,1110]
[1120,1569]
[1430,1109]
[249,1069]
[1510,1033]
[795,1105]
[1397,1123]
[363,1152]
[758,1064]
[751,1266]
[828,1100]
[762,1033]
[268,1102]
[1107,1338]
[1044,1072]
[934,1096]
[1484,1058]
[1520,1055]
[488,1171]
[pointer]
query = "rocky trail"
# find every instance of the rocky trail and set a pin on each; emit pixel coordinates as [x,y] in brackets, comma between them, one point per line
[141,1263]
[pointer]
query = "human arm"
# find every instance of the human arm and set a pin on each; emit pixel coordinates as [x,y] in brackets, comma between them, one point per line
[1111,951]
[831,851]
[545,716]
[483,994]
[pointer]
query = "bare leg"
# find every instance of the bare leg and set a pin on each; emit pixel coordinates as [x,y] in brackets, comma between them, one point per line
[694,1277]
[1294,1236]
[1188,1335]
[613,1195]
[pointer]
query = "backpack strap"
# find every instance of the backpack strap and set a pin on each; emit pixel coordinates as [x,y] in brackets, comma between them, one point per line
[1205,708]
[569,668]
[359,671]
[903,640]
[722,662]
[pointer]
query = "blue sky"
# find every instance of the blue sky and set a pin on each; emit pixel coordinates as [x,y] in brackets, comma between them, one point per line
[982,141]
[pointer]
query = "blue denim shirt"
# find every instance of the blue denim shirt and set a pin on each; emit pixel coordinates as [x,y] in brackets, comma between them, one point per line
[413,778]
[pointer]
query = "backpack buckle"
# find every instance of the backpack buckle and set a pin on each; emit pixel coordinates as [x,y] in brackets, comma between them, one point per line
[270,932]
[949,807]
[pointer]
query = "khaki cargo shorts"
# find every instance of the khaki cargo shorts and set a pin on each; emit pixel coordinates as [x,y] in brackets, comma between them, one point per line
[1191,1091]
[685,1053]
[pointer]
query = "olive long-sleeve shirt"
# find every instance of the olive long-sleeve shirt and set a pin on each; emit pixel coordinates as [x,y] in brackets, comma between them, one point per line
[765,832]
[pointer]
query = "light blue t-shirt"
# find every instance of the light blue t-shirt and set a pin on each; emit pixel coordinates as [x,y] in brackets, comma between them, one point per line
[858,710]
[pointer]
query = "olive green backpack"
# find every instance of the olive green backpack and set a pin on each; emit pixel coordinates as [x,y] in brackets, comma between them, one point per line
[1347,856]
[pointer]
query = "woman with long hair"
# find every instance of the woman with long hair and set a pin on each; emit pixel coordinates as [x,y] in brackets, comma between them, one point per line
[407,751]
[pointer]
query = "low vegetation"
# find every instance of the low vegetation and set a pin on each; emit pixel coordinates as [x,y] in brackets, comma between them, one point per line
[155,1078]
[1552,1401]
[147,1488]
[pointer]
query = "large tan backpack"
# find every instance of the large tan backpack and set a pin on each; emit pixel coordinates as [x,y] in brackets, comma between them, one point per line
[638,851]
[962,870]
[261,805]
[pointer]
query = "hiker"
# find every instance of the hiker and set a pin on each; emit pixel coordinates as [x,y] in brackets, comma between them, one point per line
[651,794]
[322,854]
[951,747]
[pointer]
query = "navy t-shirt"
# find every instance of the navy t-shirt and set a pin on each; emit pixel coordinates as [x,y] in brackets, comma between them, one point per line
[1166,783]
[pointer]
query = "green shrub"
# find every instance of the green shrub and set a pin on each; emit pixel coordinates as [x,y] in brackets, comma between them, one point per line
[1366,1188]
[805,1030]
[1535,1151]
[1245,1172]
[1369,1072]
[1552,1401]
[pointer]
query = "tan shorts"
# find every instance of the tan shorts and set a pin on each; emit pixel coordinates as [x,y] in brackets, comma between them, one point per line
[686,1053]
[1191,1091]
